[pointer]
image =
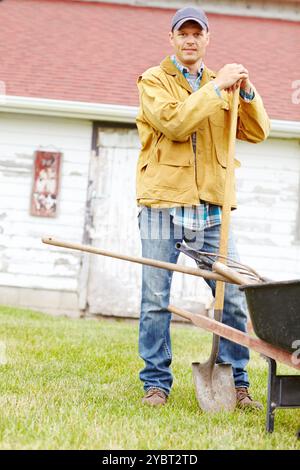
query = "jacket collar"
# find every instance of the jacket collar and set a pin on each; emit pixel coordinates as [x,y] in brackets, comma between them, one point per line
[170,68]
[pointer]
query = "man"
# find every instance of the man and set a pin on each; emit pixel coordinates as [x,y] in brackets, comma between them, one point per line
[183,124]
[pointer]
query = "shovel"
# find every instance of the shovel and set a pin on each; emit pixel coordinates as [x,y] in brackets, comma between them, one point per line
[214,383]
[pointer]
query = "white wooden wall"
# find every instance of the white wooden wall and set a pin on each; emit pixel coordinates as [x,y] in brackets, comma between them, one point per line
[24,261]
[265,222]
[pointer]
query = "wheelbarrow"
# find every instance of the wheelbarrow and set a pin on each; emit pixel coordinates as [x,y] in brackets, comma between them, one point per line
[275,316]
[274,311]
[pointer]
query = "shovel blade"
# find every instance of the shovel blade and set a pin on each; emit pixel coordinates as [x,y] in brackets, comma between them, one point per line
[215,389]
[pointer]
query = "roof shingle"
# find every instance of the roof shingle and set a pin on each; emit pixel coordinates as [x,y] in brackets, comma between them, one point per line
[93,52]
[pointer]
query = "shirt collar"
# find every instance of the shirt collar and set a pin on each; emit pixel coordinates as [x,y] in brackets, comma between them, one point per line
[184,70]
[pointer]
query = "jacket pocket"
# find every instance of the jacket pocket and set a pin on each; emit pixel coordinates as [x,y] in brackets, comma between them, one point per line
[176,154]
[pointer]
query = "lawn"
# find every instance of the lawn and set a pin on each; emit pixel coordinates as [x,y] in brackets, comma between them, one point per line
[73,384]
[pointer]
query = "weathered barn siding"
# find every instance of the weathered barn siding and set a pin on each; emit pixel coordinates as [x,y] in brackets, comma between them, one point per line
[267,218]
[52,279]
[32,273]
[265,222]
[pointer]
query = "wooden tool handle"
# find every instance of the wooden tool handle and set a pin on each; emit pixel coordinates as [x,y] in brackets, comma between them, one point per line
[226,208]
[232,275]
[238,337]
[134,259]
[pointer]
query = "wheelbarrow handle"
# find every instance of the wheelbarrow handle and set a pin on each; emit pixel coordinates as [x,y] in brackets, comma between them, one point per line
[237,336]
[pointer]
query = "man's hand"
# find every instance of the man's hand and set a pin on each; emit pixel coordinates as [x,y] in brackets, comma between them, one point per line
[231,76]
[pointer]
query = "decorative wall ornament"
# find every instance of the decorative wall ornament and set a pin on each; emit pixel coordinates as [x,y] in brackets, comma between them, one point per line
[45,187]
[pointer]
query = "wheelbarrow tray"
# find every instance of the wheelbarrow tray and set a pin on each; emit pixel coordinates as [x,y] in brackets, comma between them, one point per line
[274,309]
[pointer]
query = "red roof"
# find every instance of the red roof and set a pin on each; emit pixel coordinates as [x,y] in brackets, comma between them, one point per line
[93,52]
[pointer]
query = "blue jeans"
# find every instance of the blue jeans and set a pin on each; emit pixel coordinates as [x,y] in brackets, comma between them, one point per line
[158,236]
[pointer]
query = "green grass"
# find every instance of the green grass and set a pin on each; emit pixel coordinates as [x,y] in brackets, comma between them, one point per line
[73,384]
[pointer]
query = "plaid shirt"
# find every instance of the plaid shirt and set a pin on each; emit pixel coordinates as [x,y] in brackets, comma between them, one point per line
[205,215]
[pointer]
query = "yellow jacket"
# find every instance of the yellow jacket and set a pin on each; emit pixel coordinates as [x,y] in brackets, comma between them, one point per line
[168,172]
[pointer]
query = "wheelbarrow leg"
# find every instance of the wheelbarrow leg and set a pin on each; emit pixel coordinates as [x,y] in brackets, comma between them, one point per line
[271,403]
[283,392]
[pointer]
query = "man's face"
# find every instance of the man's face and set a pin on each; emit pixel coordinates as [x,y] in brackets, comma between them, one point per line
[189,42]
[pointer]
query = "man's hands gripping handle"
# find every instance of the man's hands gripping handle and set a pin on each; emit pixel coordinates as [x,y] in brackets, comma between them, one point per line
[232,76]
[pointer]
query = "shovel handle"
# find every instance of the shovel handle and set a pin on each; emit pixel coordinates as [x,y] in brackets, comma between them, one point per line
[226,207]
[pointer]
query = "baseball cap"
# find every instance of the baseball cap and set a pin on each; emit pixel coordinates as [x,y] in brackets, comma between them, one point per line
[189,14]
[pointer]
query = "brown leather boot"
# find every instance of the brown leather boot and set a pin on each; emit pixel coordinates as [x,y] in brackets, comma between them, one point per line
[155,397]
[245,401]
